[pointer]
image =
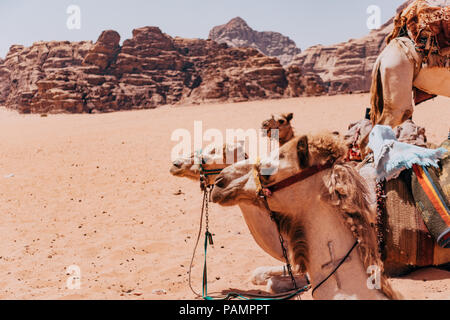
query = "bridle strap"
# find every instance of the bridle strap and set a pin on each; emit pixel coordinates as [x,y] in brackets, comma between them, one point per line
[298,177]
[256,178]
[213,172]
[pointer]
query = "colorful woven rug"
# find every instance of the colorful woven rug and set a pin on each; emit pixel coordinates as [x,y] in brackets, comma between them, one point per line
[431,195]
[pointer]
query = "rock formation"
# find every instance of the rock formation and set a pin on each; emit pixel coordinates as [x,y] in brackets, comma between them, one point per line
[4,82]
[153,69]
[148,70]
[346,67]
[46,76]
[237,33]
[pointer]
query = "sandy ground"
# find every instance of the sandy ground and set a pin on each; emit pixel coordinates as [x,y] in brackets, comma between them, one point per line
[95,191]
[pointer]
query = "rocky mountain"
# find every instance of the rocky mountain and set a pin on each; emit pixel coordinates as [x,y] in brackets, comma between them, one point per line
[148,70]
[346,67]
[237,33]
[153,69]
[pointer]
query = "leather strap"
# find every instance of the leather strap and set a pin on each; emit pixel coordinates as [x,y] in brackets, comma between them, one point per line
[298,177]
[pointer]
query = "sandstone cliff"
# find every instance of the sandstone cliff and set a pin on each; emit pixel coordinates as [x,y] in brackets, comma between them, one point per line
[237,33]
[346,67]
[4,82]
[148,70]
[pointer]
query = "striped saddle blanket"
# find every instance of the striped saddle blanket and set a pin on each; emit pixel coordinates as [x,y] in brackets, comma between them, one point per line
[431,192]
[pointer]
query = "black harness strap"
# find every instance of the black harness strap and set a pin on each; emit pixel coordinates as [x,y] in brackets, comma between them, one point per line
[335,269]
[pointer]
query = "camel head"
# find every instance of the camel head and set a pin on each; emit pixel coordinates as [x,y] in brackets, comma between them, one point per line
[239,181]
[302,153]
[211,158]
[234,184]
[282,123]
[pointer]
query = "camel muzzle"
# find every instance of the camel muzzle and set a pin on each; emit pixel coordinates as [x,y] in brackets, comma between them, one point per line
[176,168]
[216,195]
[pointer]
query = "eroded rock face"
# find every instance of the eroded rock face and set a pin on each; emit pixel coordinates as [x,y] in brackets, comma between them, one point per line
[237,33]
[46,76]
[302,83]
[231,74]
[104,51]
[346,67]
[5,82]
[148,70]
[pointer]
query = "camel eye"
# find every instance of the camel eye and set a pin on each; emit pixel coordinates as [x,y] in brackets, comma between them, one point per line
[281,121]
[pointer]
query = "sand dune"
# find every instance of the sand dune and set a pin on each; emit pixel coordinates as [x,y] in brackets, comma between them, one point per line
[95,191]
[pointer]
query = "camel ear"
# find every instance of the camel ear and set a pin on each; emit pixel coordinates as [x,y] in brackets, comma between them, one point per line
[303,152]
[289,116]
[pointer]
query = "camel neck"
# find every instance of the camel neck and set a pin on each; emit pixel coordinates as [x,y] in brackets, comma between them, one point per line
[288,137]
[263,230]
[329,241]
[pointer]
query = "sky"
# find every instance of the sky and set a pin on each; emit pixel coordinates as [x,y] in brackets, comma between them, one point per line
[307,22]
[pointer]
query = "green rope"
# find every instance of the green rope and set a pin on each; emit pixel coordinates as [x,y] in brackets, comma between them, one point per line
[230,295]
[235,295]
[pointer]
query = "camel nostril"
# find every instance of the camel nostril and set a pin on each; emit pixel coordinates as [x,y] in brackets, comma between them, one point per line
[177,164]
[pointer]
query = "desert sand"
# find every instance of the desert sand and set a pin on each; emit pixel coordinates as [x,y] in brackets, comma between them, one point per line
[95,191]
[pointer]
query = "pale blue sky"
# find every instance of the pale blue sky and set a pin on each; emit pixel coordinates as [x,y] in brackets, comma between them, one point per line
[307,22]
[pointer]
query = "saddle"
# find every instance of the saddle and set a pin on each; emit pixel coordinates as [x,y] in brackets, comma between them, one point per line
[412,231]
[431,192]
[407,132]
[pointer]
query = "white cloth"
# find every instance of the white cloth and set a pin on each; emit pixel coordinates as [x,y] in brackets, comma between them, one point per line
[392,157]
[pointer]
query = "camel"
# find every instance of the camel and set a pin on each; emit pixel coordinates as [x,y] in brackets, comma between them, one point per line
[322,215]
[261,227]
[282,123]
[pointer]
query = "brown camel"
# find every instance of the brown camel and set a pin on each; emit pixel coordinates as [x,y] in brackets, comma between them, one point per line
[282,123]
